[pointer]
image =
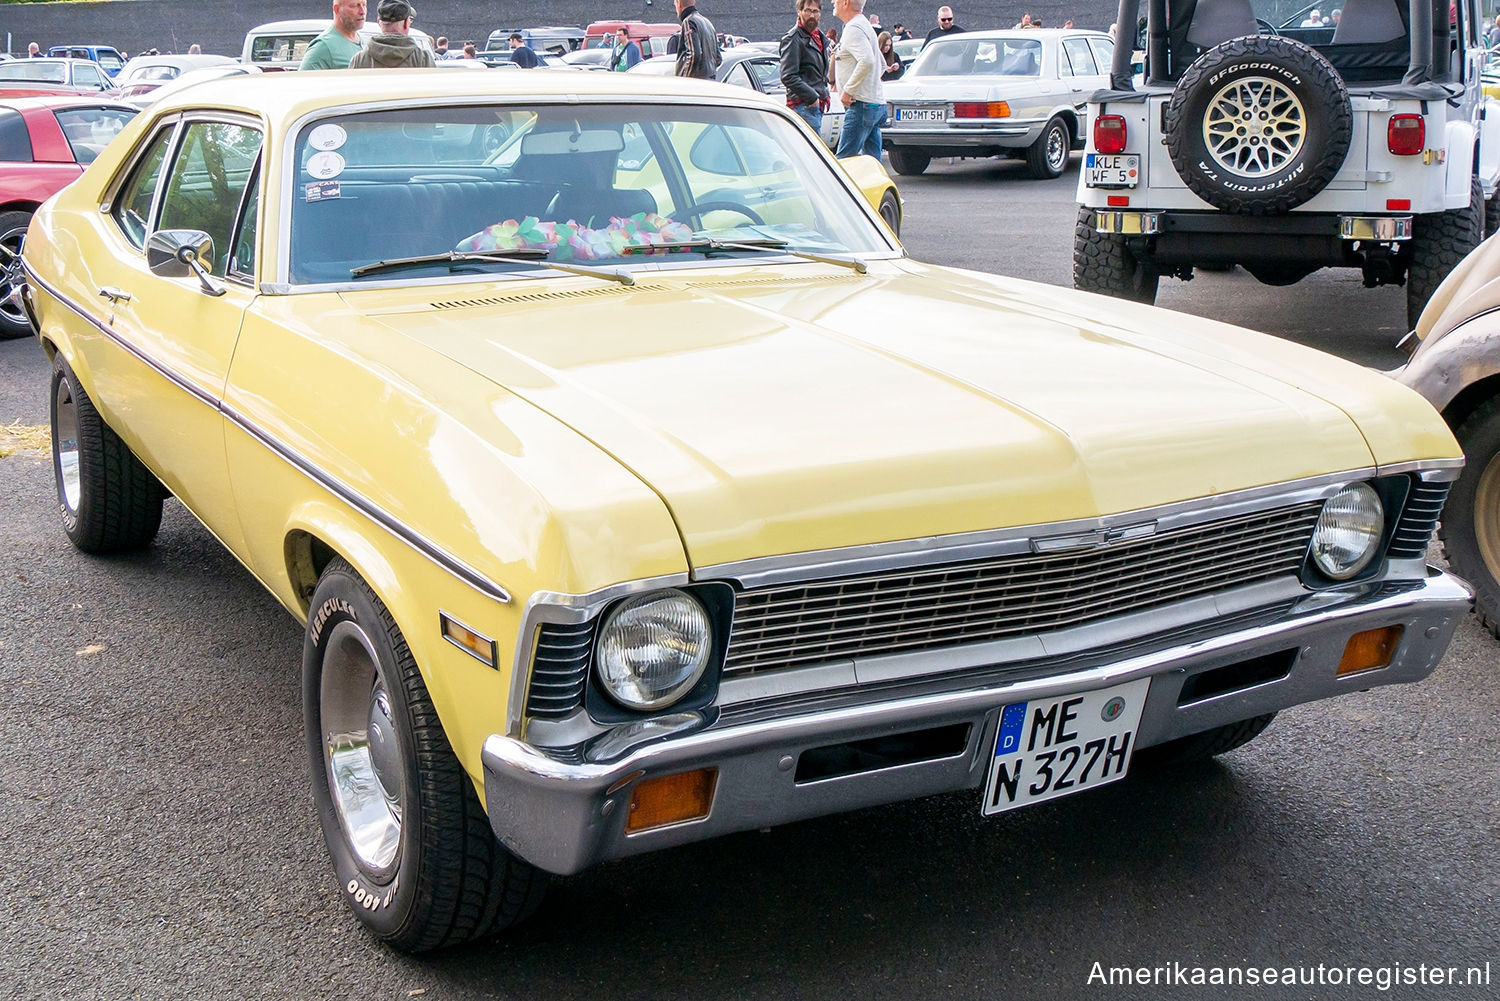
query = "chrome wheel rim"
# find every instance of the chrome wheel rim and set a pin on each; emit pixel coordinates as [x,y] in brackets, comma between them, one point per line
[1254,127]
[361,750]
[888,213]
[11,275]
[1487,516]
[65,445]
[1057,148]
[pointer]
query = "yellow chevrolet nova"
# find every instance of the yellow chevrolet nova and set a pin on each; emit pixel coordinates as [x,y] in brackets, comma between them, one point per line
[627,507]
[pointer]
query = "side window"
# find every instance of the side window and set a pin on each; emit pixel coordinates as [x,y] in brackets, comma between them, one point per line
[15,137]
[1080,56]
[132,210]
[1104,50]
[89,130]
[767,74]
[739,76]
[715,154]
[208,181]
[87,76]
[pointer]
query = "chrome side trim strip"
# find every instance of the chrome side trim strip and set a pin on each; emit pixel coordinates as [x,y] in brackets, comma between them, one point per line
[348,495]
[208,399]
[1427,470]
[797,567]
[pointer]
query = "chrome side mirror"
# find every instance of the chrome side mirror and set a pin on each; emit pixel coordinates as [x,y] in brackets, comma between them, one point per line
[177,253]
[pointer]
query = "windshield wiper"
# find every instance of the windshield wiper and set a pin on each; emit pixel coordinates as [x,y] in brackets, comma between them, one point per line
[521,255]
[709,245]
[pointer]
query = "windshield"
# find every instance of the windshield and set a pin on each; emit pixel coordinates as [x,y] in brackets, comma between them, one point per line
[38,70]
[979,57]
[582,184]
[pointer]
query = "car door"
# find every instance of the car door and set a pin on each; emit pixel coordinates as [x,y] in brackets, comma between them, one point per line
[178,335]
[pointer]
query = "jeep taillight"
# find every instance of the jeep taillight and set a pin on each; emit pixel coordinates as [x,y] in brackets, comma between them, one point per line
[977,109]
[1406,134]
[1109,134]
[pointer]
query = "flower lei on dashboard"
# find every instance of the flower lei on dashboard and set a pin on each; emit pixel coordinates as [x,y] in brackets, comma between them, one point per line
[569,240]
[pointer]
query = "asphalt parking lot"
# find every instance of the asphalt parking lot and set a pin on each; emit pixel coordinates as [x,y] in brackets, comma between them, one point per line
[161,839]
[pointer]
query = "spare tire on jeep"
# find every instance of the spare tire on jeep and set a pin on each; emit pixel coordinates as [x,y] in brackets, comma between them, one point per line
[1258,125]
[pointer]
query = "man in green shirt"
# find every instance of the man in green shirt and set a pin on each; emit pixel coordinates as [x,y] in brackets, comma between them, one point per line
[333,49]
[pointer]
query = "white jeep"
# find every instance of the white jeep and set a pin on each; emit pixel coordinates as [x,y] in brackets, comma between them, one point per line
[1264,136]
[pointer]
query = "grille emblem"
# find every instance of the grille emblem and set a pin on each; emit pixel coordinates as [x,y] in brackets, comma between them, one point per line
[1093,539]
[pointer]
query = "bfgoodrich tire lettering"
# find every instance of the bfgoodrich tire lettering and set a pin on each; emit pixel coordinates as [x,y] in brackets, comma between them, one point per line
[439,877]
[109,502]
[1258,125]
[1470,528]
[1103,263]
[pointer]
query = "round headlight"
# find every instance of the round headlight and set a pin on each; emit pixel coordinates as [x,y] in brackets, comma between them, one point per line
[653,648]
[1348,532]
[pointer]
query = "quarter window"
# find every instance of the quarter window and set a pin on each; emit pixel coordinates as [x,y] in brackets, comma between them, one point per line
[132,211]
[89,130]
[1080,57]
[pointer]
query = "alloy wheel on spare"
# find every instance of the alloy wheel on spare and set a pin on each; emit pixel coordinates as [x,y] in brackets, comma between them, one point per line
[13,322]
[1254,127]
[361,750]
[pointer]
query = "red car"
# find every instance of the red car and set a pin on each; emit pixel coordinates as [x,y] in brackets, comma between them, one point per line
[45,142]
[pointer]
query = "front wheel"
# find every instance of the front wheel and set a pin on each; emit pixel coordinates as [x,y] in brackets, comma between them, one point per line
[108,500]
[1103,263]
[908,162]
[1438,242]
[1048,156]
[1205,745]
[1470,528]
[415,856]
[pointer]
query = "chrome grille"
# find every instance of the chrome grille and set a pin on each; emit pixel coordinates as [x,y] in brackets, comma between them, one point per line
[908,610]
[1419,517]
[560,669]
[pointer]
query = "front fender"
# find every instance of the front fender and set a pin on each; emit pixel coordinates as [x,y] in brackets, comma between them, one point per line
[1460,161]
[1447,364]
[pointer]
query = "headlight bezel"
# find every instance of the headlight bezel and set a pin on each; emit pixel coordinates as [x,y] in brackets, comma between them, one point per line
[1389,494]
[604,706]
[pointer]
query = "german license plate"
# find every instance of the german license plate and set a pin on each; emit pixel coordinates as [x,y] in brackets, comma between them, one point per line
[1103,170]
[921,114]
[1048,748]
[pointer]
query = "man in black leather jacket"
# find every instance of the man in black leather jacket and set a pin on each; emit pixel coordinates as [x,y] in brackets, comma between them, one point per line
[804,65]
[697,43]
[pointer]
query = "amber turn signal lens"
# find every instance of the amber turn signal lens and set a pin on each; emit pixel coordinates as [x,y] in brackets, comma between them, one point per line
[671,799]
[1370,649]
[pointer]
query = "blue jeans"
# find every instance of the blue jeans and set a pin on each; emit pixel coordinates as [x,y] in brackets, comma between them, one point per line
[811,114]
[862,122]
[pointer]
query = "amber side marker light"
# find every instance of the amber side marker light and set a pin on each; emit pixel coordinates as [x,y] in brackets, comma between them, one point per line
[671,799]
[1370,649]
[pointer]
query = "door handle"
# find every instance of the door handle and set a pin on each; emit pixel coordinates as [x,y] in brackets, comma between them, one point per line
[115,294]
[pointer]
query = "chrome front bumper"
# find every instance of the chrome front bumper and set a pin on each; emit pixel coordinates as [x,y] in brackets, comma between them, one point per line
[565,811]
[1012,134]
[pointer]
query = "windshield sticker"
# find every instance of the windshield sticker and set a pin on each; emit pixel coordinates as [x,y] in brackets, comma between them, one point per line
[325,165]
[327,137]
[322,191]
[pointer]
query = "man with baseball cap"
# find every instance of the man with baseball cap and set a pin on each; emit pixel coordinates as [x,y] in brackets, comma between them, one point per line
[394,46]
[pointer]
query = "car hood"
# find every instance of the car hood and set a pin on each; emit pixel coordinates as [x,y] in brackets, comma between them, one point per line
[794,408]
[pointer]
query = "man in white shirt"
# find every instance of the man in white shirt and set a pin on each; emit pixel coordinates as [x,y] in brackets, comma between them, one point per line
[857,70]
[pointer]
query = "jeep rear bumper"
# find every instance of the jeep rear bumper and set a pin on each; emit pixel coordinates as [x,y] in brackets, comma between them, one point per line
[1312,239]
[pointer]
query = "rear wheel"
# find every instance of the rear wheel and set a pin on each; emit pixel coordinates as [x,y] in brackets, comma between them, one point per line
[1470,528]
[13,322]
[1048,156]
[909,162]
[1103,263]
[109,501]
[1205,745]
[1438,242]
[890,211]
[412,847]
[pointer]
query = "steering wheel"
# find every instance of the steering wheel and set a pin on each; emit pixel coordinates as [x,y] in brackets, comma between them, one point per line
[697,209]
[1266,27]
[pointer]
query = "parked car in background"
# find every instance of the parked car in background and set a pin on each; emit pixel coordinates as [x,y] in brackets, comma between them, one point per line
[110,59]
[555,40]
[1017,94]
[907,50]
[755,66]
[651,37]
[45,142]
[191,78]
[506,60]
[1257,140]
[635,488]
[593,59]
[1456,365]
[280,45]
[38,77]
[144,74]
